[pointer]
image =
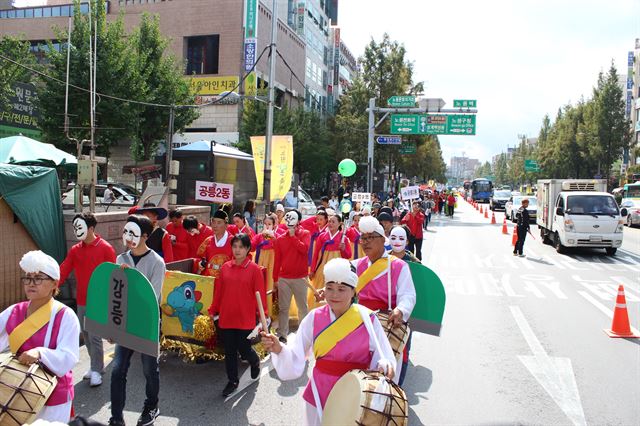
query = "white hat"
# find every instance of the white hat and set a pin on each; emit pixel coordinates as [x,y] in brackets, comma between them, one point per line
[279,207]
[369,225]
[330,212]
[37,261]
[339,271]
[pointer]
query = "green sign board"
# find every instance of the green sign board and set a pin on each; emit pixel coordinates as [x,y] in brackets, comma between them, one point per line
[251,19]
[433,124]
[402,101]
[408,148]
[531,166]
[465,103]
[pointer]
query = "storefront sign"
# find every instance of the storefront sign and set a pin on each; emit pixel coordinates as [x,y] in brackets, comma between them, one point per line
[213,85]
[214,192]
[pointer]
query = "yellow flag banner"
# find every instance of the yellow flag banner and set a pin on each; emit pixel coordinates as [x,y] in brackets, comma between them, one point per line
[281,164]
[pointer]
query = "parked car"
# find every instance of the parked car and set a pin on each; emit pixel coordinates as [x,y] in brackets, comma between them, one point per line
[304,203]
[514,203]
[122,196]
[633,211]
[499,199]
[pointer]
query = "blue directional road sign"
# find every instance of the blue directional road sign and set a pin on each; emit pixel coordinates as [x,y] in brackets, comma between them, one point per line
[389,140]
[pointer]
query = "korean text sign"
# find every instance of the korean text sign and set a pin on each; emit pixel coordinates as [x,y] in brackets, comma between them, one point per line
[214,192]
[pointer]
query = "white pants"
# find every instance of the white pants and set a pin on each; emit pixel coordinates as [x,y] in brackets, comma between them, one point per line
[56,413]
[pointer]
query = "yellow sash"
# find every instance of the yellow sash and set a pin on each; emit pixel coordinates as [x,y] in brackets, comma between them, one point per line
[336,331]
[30,326]
[373,271]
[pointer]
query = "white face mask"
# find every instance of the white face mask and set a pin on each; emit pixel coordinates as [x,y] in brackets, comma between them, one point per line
[291,219]
[80,229]
[131,233]
[398,239]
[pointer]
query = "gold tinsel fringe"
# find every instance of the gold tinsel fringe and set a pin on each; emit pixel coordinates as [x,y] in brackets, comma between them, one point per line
[192,353]
[275,308]
[203,328]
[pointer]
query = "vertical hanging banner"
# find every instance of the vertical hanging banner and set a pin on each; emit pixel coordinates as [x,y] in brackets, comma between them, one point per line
[281,164]
[250,33]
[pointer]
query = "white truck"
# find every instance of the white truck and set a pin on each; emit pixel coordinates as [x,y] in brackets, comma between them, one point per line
[579,213]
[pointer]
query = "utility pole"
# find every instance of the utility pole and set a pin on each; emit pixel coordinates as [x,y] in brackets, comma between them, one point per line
[266,192]
[370,141]
[169,145]
[93,58]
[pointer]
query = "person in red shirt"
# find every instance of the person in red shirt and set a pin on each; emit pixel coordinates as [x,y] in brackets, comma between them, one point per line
[234,299]
[197,232]
[215,251]
[290,271]
[159,240]
[178,235]
[451,203]
[414,220]
[315,225]
[84,258]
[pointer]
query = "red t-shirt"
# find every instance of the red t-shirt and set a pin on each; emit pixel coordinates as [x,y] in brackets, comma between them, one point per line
[84,259]
[181,246]
[291,255]
[414,221]
[234,295]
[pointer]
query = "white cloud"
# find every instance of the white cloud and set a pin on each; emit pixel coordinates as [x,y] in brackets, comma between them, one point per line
[520,59]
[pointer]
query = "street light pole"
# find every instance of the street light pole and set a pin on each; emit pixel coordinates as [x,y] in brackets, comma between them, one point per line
[370,140]
[266,191]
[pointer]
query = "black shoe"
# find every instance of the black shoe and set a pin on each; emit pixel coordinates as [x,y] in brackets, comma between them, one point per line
[229,389]
[148,416]
[113,422]
[255,371]
[283,339]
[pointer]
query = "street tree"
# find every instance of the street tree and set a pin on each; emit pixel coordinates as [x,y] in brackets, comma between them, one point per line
[17,50]
[116,75]
[162,82]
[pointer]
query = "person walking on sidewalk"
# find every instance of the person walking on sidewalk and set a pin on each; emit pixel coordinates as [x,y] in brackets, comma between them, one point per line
[523,227]
[451,203]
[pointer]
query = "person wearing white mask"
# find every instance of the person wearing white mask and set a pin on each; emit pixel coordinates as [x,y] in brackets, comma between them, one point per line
[83,258]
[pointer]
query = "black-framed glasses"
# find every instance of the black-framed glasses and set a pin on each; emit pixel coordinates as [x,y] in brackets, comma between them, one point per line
[38,280]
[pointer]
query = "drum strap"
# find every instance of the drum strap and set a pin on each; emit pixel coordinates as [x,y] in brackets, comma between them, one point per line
[371,272]
[30,326]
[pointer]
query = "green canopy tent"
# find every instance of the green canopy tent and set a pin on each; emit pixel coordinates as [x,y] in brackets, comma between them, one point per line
[33,193]
[27,151]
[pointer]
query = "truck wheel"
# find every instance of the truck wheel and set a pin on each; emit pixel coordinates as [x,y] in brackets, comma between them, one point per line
[611,251]
[543,236]
[558,245]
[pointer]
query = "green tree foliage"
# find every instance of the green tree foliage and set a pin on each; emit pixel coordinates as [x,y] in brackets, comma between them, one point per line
[18,50]
[426,163]
[134,67]
[313,157]
[584,140]
[162,83]
[116,75]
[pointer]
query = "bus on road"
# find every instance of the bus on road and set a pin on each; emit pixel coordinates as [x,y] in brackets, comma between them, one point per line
[481,190]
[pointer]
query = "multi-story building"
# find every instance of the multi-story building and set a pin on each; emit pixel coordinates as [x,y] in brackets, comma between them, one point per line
[208,35]
[311,19]
[343,68]
[463,167]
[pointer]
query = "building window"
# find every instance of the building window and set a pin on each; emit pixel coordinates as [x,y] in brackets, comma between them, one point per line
[202,54]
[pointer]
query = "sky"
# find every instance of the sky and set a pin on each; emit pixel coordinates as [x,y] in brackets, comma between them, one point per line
[520,59]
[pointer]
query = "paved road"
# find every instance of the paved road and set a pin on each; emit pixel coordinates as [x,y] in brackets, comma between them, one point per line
[523,343]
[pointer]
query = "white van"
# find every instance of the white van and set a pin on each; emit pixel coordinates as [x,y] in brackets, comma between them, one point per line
[578,213]
[304,203]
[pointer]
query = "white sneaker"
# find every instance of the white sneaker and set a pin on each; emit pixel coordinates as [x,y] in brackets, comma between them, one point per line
[87,375]
[96,379]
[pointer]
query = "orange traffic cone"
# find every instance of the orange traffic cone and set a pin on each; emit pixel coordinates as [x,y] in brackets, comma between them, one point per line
[480,208]
[620,326]
[515,236]
[493,218]
[486,213]
[504,226]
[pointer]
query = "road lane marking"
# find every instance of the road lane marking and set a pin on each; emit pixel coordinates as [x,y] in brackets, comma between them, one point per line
[601,307]
[554,374]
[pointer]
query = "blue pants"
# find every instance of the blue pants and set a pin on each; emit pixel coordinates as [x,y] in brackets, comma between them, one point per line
[121,363]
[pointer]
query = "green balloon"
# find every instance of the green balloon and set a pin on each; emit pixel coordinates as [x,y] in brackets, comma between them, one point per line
[345,206]
[347,167]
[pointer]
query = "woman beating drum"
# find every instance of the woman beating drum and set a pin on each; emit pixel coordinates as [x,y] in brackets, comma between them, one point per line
[43,330]
[342,336]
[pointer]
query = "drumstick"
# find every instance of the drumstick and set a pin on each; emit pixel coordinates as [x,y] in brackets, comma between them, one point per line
[263,320]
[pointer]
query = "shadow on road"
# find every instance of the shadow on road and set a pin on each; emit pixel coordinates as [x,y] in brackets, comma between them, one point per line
[291,387]
[418,381]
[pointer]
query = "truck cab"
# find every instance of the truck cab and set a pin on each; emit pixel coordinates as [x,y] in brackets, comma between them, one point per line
[578,213]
